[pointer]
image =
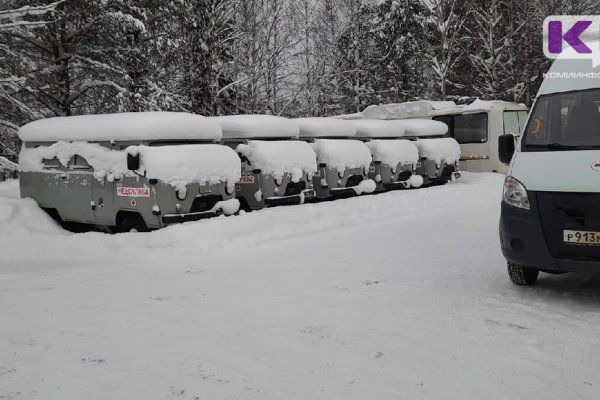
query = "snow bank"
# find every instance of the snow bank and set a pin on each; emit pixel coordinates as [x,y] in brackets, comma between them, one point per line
[394,152]
[442,149]
[276,158]
[374,128]
[342,154]
[423,127]
[122,127]
[257,126]
[181,165]
[325,127]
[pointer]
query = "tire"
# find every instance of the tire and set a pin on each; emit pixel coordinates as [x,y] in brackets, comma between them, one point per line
[521,275]
[133,223]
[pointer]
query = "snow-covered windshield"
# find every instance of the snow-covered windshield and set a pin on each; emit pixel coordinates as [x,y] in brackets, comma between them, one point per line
[564,121]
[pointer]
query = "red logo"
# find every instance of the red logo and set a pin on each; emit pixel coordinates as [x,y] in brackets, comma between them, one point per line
[596,166]
[133,203]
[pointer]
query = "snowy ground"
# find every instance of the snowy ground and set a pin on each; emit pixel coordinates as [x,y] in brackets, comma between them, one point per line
[397,295]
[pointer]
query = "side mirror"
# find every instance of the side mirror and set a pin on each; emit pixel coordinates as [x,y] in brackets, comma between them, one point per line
[133,162]
[506,148]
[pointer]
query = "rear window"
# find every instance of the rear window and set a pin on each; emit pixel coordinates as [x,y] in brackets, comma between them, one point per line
[564,121]
[466,128]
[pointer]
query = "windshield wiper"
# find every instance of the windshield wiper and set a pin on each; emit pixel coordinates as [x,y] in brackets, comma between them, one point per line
[553,146]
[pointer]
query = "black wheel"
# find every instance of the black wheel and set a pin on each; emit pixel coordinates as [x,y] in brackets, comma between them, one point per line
[133,223]
[521,275]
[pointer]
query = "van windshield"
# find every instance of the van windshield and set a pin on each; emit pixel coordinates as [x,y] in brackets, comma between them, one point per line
[564,121]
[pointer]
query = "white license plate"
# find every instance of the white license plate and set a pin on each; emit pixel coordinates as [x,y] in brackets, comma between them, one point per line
[582,237]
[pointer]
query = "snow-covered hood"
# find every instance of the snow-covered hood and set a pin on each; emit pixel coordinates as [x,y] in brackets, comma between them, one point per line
[558,171]
[342,154]
[394,152]
[175,165]
[442,149]
[279,157]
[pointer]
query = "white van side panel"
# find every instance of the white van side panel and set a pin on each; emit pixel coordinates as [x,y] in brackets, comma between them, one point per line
[558,171]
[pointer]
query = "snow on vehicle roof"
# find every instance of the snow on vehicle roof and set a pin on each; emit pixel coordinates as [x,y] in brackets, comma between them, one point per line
[184,164]
[177,165]
[325,127]
[342,154]
[279,157]
[427,109]
[377,128]
[122,127]
[394,152]
[257,126]
[422,127]
[349,116]
[441,149]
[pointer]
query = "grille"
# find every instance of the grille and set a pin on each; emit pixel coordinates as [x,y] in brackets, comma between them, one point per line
[571,211]
[205,202]
[294,188]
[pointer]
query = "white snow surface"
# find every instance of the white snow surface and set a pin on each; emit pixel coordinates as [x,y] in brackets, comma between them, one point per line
[422,127]
[342,154]
[325,127]
[375,128]
[393,152]
[218,309]
[123,127]
[278,157]
[184,164]
[257,126]
[442,149]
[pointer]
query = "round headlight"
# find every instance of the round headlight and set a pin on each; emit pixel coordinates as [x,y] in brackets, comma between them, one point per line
[181,194]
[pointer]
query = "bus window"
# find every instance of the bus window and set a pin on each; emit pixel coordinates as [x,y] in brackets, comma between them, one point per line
[471,128]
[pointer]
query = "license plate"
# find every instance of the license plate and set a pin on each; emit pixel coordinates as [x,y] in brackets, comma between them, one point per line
[582,237]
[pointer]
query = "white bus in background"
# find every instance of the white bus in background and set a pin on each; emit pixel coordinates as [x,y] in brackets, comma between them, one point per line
[476,126]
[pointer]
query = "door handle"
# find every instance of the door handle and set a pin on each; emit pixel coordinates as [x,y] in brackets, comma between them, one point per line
[64,177]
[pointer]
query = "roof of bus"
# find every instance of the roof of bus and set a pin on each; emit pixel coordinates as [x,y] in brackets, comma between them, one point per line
[257,126]
[134,126]
[426,109]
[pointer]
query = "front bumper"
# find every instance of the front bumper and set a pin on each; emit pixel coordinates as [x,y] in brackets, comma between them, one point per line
[523,242]
[178,218]
[396,185]
[307,195]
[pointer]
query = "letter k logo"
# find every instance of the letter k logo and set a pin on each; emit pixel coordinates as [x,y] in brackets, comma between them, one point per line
[572,37]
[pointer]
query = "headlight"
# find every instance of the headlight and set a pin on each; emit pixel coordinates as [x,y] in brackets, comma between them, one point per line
[181,194]
[515,194]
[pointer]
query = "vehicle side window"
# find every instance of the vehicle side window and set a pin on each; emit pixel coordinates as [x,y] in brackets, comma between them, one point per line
[51,163]
[446,119]
[471,128]
[78,162]
[514,122]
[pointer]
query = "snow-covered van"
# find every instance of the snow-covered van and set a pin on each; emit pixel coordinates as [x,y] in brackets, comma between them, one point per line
[277,168]
[438,155]
[394,158]
[343,162]
[130,171]
[476,126]
[550,215]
